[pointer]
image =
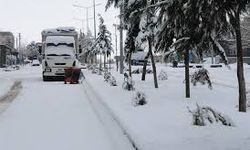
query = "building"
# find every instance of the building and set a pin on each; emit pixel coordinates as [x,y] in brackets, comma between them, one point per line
[230,44]
[6,47]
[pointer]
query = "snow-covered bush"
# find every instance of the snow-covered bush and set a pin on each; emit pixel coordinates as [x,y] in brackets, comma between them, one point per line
[149,71]
[107,76]
[128,83]
[100,70]
[204,115]
[163,75]
[136,71]
[139,70]
[202,76]
[94,71]
[139,99]
[112,81]
[91,67]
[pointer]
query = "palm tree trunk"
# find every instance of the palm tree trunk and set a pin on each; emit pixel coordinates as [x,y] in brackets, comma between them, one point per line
[144,69]
[187,80]
[153,62]
[240,68]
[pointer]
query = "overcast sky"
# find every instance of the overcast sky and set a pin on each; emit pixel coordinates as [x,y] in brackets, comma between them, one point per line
[30,17]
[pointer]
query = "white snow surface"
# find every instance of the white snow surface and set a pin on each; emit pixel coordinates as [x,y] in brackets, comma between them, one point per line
[5,85]
[165,123]
[54,116]
[51,116]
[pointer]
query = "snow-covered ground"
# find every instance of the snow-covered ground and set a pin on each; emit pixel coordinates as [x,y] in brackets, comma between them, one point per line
[94,115]
[165,123]
[52,116]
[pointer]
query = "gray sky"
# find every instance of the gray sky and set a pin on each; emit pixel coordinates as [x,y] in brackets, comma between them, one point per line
[30,17]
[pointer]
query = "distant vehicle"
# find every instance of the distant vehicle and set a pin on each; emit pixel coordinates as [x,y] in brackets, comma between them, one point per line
[59,50]
[35,63]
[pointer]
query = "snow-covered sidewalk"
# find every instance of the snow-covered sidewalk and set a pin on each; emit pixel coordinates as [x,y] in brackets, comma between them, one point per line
[51,116]
[165,123]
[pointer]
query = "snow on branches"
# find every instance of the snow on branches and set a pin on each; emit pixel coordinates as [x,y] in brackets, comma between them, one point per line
[201,76]
[207,115]
[103,43]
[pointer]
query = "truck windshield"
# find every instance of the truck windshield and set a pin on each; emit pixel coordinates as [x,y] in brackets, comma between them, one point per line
[60,44]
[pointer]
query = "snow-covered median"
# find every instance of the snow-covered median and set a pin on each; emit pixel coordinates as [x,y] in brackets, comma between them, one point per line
[165,123]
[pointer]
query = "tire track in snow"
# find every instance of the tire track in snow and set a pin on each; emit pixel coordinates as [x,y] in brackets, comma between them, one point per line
[7,98]
[116,131]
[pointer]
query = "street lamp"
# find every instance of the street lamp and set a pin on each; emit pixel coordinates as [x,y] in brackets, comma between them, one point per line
[86,8]
[81,22]
[116,27]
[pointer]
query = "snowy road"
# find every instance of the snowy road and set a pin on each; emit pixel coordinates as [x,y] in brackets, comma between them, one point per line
[50,116]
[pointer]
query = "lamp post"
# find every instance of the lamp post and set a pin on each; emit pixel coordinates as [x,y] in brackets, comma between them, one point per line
[87,18]
[82,20]
[116,49]
[121,41]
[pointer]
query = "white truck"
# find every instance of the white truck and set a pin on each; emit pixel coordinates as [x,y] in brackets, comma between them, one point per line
[59,50]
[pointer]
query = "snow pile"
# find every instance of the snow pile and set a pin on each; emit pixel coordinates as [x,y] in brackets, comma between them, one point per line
[207,115]
[201,76]
[139,99]
[163,75]
[60,39]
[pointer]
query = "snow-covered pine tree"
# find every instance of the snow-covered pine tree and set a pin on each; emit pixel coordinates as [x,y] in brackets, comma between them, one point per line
[32,50]
[103,43]
[88,53]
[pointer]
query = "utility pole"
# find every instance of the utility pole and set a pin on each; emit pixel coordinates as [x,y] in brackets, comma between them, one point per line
[87,18]
[116,49]
[19,49]
[94,19]
[121,41]
[82,21]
